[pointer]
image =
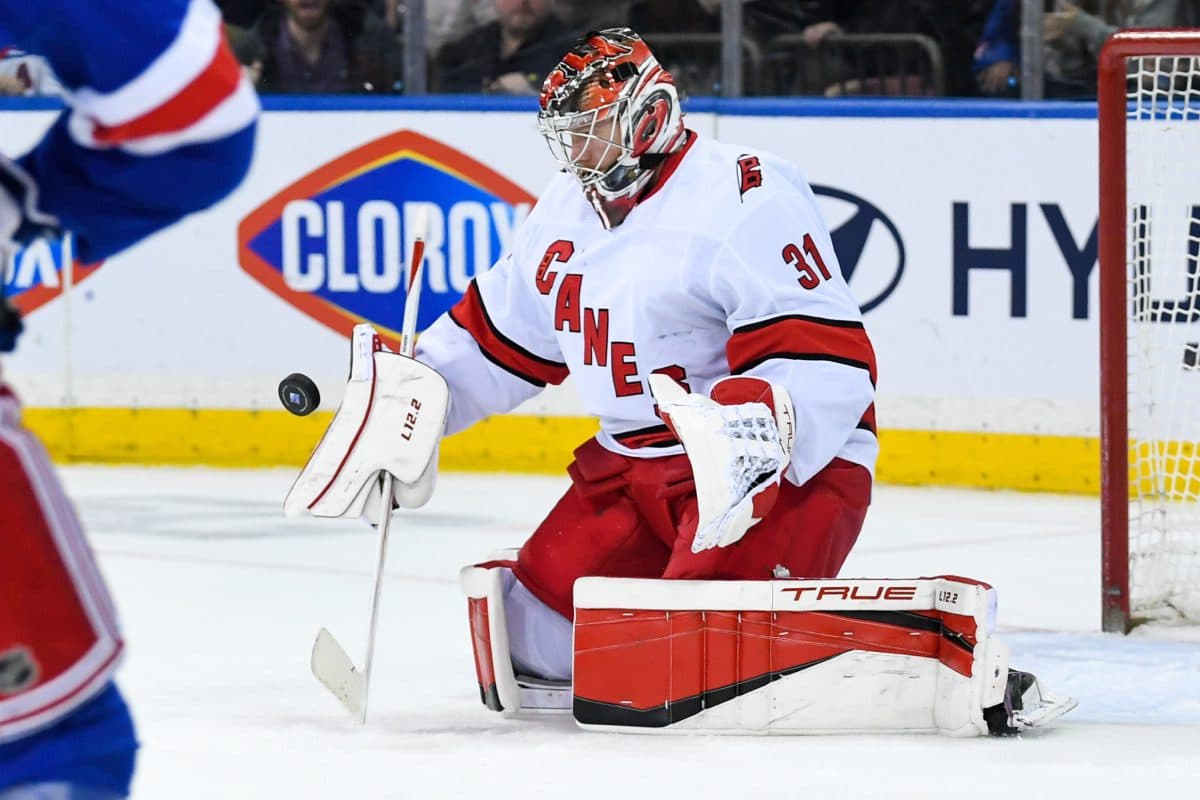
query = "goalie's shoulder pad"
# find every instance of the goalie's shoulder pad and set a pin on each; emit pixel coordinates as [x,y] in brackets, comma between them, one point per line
[391,418]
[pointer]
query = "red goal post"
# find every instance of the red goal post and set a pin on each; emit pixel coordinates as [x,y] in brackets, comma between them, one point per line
[1149,127]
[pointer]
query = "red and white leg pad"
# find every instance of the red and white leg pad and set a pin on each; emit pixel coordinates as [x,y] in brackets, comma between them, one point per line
[787,656]
[500,687]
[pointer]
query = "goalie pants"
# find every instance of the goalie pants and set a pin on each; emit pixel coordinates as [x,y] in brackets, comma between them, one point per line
[635,518]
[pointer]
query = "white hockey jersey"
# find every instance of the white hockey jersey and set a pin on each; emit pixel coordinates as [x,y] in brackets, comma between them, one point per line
[726,267]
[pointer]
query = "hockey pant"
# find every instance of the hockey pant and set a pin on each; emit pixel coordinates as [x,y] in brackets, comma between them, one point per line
[634,518]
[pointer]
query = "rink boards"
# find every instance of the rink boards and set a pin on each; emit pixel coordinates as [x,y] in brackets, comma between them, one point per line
[966,231]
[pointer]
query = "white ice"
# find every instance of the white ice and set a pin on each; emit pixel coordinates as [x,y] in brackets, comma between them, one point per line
[221,596]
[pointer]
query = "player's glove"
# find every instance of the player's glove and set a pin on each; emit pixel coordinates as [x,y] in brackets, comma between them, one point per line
[20,221]
[10,320]
[739,442]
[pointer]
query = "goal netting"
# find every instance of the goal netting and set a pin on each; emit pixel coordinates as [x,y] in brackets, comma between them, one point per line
[1150,286]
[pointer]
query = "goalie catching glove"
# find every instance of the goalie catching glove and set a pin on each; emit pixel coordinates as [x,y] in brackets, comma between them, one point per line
[739,442]
[391,420]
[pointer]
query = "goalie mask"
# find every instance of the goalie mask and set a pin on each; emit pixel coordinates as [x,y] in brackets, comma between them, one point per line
[610,114]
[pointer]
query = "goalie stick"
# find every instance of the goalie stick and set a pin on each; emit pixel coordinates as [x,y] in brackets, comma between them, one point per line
[330,664]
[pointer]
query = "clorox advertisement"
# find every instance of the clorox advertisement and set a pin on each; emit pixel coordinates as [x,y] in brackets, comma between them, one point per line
[335,242]
[964,266]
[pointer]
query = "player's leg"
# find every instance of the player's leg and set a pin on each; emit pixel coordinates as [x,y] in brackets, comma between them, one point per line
[521,603]
[61,721]
[808,533]
[799,656]
[87,755]
[733,650]
[596,528]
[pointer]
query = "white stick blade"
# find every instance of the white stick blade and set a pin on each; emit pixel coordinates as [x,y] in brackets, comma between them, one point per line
[337,673]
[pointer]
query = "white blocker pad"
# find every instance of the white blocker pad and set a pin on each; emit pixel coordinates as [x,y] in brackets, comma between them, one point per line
[489,587]
[787,656]
[390,419]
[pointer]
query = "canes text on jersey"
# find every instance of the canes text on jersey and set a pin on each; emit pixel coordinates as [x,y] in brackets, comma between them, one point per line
[570,315]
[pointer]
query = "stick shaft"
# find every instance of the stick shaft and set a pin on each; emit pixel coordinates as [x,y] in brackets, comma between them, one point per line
[408,341]
[385,518]
[412,300]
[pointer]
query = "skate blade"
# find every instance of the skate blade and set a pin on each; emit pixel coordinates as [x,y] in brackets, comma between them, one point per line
[1046,711]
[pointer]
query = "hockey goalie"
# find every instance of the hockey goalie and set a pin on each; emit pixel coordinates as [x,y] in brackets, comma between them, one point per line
[686,581]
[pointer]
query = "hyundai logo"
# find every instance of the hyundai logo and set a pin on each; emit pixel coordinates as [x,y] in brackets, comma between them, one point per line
[868,246]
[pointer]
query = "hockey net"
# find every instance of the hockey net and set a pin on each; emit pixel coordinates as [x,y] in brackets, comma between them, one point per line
[1150,341]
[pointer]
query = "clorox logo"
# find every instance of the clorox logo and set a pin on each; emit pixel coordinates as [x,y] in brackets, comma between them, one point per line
[869,248]
[36,274]
[334,243]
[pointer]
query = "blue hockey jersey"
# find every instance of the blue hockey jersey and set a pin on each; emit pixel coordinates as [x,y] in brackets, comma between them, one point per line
[160,120]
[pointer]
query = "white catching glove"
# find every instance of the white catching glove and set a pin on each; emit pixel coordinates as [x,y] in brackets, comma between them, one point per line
[739,442]
[391,419]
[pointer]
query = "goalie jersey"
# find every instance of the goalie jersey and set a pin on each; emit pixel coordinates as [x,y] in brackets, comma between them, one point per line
[725,267]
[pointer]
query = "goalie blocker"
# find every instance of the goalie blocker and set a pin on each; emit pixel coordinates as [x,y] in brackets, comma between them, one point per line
[770,657]
[390,419]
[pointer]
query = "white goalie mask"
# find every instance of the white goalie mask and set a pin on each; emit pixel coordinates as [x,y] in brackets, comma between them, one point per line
[610,114]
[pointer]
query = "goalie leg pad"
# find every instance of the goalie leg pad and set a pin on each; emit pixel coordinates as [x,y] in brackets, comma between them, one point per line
[483,585]
[772,657]
[522,647]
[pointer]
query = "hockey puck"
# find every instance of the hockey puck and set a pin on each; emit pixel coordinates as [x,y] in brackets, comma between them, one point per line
[299,394]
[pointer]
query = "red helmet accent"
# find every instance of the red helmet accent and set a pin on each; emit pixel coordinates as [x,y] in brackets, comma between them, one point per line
[604,107]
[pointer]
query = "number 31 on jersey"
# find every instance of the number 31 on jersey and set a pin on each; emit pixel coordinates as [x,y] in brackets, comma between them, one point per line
[811,275]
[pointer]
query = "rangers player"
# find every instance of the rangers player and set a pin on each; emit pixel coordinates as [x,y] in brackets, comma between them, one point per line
[160,123]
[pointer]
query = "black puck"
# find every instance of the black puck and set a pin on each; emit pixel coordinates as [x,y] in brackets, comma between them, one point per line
[299,394]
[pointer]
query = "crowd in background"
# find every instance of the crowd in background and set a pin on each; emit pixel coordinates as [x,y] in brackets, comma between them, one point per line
[957,48]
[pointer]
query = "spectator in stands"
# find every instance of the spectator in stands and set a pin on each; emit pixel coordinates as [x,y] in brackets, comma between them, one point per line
[804,67]
[675,16]
[953,26]
[320,46]
[694,61]
[445,20]
[589,15]
[814,19]
[1074,35]
[508,56]
[390,11]
[813,62]
[449,20]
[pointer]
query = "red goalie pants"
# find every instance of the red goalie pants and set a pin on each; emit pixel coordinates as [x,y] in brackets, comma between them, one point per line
[635,518]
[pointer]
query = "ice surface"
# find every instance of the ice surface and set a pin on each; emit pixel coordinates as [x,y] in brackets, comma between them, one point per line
[221,597]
